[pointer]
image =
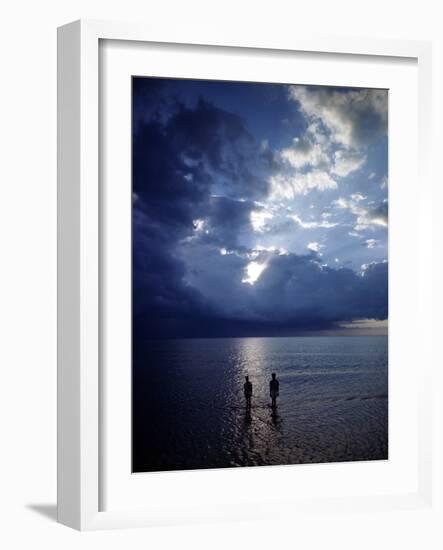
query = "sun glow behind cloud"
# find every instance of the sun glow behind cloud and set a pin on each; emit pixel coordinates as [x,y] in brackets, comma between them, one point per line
[258,219]
[253,272]
[297,190]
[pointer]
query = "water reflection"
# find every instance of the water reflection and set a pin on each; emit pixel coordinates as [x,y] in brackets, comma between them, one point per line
[190,408]
[276,419]
[252,354]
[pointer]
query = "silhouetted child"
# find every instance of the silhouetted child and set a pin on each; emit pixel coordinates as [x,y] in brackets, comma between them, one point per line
[274,388]
[247,389]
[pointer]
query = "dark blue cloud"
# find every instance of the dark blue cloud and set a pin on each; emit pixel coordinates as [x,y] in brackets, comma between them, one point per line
[198,173]
[295,288]
[178,165]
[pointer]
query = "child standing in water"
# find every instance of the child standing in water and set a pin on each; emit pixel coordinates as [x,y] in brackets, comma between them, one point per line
[274,388]
[247,389]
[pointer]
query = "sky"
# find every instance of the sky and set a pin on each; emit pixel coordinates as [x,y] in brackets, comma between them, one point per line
[258,209]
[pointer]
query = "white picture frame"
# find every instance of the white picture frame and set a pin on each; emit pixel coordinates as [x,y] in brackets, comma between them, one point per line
[80,445]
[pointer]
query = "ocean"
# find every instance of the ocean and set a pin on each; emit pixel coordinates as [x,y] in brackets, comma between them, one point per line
[189,409]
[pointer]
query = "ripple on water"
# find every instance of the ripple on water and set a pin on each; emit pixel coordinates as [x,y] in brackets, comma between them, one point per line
[188,409]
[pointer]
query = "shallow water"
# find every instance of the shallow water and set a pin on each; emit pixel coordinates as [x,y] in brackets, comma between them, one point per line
[189,410]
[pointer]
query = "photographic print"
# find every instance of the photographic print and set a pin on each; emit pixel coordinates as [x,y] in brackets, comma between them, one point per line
[259,274]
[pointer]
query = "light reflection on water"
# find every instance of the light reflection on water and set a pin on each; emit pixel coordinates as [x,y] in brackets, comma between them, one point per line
[189,409]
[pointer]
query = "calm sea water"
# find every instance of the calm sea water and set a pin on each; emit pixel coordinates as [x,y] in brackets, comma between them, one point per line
[189,410]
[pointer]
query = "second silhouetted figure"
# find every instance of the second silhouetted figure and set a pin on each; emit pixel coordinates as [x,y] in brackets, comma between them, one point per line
[247,389]
[274,388]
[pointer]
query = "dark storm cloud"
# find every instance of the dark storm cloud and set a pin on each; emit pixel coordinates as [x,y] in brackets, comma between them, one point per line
[197,153]
[295,293]
[150,100]
[294,288]
[291,290]
[180,165]
[226,219]
[197,176]
[158,275]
